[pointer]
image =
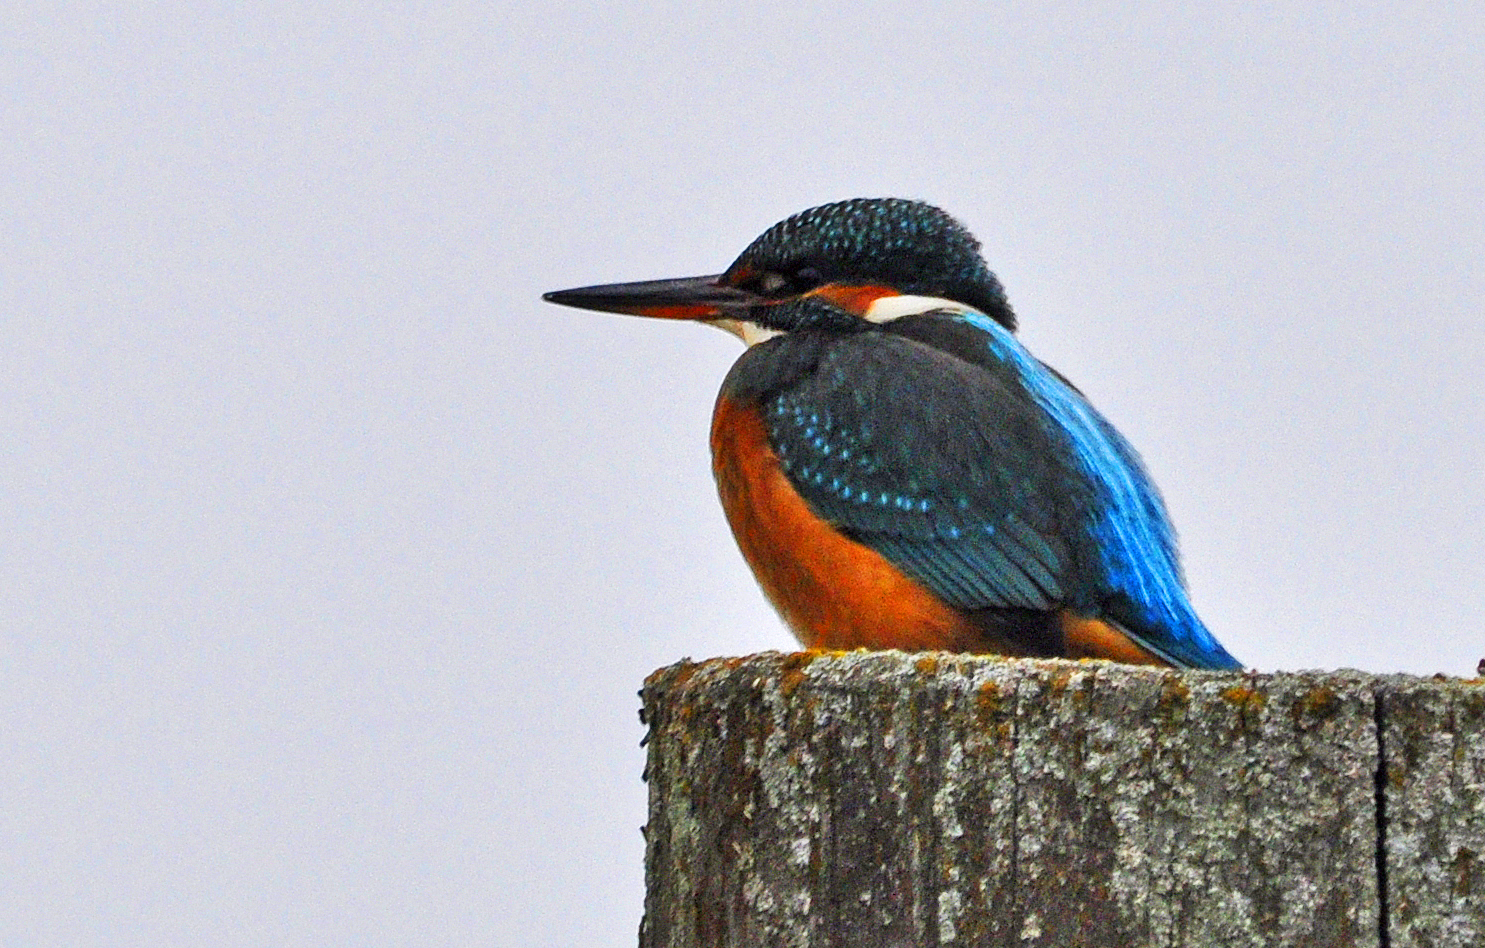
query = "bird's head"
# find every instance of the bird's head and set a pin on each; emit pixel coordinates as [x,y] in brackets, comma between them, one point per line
[838,267]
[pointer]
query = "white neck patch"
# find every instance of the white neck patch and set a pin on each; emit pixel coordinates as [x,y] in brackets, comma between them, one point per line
[882,310]
[750,333]
[887,308]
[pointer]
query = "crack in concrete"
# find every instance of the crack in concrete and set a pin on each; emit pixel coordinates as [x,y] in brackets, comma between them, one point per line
[1384,932]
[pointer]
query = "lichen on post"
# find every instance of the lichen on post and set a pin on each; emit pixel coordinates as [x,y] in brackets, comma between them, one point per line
[868,799]
[1433,738]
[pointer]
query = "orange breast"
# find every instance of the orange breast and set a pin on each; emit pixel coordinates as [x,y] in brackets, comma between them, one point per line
[839,594]
[834,592]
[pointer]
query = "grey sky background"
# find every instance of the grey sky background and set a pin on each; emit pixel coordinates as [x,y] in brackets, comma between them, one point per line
[333,558]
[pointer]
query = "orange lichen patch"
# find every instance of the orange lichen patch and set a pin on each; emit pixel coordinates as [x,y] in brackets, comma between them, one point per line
[672,676]
[1175,694]
[1245,698]
[1060,681]
[833,592]
[791,671]
[834,652]
[989,700]
[1318,704]
[852,299]
[1084,637]
[926,664]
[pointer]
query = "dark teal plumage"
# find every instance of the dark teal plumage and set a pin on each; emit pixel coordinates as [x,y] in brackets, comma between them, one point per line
[935,439]
[930,440]
[908,245]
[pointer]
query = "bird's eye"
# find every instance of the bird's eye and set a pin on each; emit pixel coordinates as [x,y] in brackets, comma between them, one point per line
[772,284]
[806,279]
[792,283]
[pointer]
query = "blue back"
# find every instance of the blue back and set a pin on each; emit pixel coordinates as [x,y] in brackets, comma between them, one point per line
[1132,531]
[940,442]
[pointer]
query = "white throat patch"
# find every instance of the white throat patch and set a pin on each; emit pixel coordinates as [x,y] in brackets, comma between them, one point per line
[750,333]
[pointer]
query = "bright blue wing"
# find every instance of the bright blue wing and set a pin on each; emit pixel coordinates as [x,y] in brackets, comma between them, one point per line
[943,445]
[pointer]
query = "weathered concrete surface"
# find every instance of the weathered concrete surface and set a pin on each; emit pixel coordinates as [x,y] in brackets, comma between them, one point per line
[871,799]
[1433,738]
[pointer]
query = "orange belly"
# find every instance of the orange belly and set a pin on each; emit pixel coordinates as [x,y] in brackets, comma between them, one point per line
[836,593]
[1083,637]
[832,591]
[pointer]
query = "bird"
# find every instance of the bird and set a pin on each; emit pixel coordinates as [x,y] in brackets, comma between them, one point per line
[901,473]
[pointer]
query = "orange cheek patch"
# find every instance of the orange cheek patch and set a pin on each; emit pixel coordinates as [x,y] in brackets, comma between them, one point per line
[852,299]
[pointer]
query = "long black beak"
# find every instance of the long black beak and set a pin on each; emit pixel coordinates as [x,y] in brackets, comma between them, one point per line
[700,297]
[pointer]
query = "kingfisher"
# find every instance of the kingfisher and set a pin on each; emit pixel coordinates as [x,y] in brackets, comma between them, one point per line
[901,473]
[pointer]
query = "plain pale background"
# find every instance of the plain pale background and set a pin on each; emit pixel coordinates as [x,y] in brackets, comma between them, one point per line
[333,558]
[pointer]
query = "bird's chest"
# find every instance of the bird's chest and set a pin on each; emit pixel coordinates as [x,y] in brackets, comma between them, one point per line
[832,591]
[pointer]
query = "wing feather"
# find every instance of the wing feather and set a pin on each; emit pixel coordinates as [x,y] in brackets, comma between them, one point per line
[949,472]
[985,476]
